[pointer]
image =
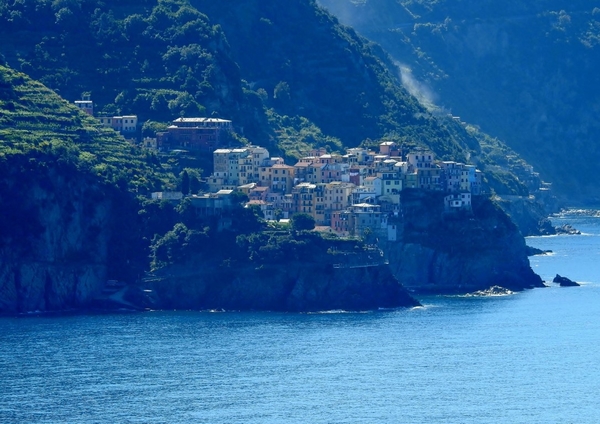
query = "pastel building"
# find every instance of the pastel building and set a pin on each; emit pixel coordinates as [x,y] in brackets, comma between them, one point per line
[421,159]
[337,196]
[282,178]
[126,124]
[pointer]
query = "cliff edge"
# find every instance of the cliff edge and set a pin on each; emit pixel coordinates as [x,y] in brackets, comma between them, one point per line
[293,287]
[55,237]
[441,252]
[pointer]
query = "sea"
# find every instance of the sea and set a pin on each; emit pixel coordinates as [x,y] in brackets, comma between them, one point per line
[528,357]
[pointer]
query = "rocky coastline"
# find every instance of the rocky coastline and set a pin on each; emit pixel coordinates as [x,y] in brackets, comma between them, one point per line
[434,253]
[65,266]
[441,253]
[290,287]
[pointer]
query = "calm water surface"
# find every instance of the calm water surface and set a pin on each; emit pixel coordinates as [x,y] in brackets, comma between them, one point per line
[528,358]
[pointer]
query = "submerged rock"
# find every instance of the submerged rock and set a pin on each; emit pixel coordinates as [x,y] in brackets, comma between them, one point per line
[564,281]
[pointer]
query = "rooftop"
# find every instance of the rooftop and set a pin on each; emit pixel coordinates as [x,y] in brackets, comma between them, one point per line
[201,120]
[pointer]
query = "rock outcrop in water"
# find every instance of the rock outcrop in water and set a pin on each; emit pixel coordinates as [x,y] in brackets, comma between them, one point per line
[564,281]
[439,252]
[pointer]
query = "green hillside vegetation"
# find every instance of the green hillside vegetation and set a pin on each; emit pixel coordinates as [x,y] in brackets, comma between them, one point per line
[36,123]
[525,72]
[309,65]
[159,60]
[290,78]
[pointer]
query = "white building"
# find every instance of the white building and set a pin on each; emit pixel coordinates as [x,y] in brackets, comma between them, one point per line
[85,105]
[455,202]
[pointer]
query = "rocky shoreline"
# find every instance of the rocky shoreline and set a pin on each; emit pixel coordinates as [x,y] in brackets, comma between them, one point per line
[433,252]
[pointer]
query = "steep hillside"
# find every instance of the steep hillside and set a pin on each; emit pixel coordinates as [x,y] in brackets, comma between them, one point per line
[311,66]
[523,71]
[68,215]
[34,121]
[290,77]
[157,59]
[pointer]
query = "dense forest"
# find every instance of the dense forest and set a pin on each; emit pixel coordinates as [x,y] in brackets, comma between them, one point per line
[525,72]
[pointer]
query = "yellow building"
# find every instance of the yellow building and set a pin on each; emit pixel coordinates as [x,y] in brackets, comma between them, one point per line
[337,196]
[282,178]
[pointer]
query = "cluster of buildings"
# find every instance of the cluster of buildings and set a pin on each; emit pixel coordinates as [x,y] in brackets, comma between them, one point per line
[195,134]
[348,193]
[127,124]
[351,194]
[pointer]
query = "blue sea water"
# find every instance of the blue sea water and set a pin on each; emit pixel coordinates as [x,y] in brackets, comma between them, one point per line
[530,357]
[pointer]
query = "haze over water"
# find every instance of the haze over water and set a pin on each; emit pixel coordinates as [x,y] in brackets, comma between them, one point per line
[527,358]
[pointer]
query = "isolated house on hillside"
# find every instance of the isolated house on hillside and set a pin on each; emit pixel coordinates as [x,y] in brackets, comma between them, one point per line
[455,202]
[204,134]
[85,105]
[126,124]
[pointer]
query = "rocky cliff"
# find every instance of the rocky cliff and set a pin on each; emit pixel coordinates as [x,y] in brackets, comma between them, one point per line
[55,237]
[439,252]
[296,286]
[528,214]
[435,252]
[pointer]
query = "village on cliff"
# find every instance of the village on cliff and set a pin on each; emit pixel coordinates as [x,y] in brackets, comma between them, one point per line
[348,194]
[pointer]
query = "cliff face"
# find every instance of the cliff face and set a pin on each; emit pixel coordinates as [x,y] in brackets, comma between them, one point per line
[54,239]
[448,253]
[284,287]
[528,214]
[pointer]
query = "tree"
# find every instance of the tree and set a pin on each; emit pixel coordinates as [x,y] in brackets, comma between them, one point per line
[195,175]
[195,184]
[278,214]
[238,198]
[185,183]
[302,221]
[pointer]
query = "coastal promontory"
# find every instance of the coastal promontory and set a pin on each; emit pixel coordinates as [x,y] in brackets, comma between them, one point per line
[440,252]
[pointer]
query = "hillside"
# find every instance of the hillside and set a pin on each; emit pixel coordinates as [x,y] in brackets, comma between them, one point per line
[73,193]
[68,212]
[159,60]
[70,221]
[289,77]
[318,69]
[522,71]
[36,123]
